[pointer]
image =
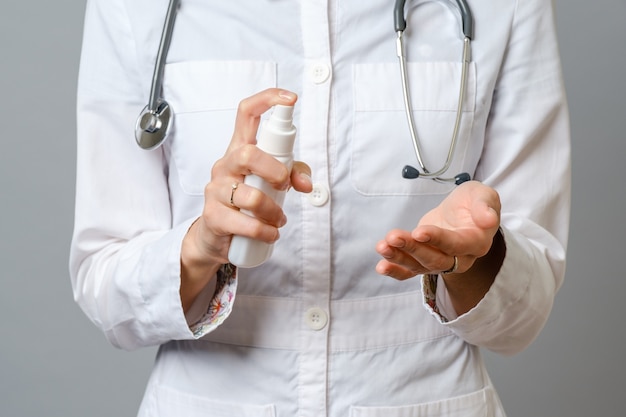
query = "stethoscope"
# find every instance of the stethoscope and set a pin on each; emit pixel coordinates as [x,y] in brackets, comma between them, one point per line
[155,120]
[467,27]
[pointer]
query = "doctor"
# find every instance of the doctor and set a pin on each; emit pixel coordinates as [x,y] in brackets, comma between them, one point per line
[321,329]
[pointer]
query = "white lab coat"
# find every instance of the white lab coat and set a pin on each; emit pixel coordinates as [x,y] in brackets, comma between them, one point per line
[315,331]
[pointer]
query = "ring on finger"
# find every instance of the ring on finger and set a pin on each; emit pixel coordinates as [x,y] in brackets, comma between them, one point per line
[233,188]
[454,267]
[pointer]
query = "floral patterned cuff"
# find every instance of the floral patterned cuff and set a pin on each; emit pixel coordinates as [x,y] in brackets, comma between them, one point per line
[429,290]
[222,303]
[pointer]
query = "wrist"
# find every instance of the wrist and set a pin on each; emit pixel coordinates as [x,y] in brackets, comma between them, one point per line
[197,269]
[468,288]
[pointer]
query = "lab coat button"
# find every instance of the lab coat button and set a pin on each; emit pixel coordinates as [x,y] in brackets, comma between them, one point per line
[320,73]
[319,196]
[316,318]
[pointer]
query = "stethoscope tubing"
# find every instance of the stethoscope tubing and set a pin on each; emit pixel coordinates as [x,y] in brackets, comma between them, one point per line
[467,21]
[164,46]
[467,29]
[155,119]
[409,112]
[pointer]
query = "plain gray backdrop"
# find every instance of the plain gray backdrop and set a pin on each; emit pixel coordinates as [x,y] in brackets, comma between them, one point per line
[54,362]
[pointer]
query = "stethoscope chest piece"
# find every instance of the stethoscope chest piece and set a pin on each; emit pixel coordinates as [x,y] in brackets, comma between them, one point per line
[153,125]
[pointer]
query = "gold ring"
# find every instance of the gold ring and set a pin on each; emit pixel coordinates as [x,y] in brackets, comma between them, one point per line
[454,267]
[233,188]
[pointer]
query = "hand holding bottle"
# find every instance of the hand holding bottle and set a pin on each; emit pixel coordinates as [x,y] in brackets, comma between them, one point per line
[276,137]
[253,213]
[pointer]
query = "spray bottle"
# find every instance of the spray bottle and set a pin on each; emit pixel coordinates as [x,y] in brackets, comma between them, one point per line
[276,137]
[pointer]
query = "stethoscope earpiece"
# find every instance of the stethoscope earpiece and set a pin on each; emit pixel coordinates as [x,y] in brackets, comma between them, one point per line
[462,177]
[153,125]
[410,173]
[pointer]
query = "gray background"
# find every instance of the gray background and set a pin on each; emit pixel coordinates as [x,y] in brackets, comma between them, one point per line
[53,361]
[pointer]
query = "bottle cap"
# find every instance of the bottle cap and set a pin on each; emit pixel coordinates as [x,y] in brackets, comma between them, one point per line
[277,133]
[282,116]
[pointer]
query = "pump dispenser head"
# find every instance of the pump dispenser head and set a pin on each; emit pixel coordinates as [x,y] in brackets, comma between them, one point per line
[277,134]
[282,117]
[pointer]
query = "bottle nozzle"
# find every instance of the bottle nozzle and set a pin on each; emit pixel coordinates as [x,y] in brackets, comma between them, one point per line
[282,116]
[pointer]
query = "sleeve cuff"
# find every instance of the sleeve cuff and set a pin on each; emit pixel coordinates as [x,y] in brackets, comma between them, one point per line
[510,314]
[436,298]
[165,313]
[221,304]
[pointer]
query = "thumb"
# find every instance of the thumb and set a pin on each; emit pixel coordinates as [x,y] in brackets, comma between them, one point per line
[486,211]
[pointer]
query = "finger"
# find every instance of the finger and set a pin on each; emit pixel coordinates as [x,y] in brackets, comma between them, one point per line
[301,177]
[397,256]
[249,159]
[396,263]
[253,228]
[485,205]
[469,241]
[250,110]
[486,213]
[390,269]
[228,222]
[419,257]
[256,203]
[413,259]
[222,220]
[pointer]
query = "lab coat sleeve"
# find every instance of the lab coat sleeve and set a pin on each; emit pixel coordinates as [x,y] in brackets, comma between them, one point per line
[125,252]
[526,158]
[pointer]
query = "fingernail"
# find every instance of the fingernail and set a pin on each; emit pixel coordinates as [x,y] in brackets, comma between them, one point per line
[422,238]
[397,242]
[306,177]
[288,95]
[283,221]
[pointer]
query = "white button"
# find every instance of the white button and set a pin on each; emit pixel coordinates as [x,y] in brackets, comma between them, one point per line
[319,196]
[316,318]
[320,73]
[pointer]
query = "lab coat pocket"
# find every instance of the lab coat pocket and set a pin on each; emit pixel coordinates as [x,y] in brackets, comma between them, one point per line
[168,402]
[204,96]
[476,404]
[381,141]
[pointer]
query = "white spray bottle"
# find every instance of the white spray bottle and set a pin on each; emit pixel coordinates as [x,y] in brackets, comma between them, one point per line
[276,137]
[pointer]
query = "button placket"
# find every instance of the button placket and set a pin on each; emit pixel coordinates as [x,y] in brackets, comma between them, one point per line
[316,266]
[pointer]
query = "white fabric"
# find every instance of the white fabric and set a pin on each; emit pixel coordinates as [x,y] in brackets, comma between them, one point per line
[381,352]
